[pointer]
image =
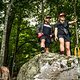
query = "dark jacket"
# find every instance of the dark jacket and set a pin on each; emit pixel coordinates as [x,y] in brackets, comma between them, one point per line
[40,28]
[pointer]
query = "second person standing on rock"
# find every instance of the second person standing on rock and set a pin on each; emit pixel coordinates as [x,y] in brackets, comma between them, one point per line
[62,33]
[44,32]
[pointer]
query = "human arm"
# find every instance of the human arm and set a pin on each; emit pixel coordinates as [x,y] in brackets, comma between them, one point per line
[71,22]
[39,30]
[52,30]
[56,32]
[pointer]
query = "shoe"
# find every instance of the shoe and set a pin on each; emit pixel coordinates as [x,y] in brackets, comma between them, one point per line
[47,52]
[68,57]
[62,55]
[42,50]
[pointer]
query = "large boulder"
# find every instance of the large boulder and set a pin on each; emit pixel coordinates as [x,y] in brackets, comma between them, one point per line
[49,67]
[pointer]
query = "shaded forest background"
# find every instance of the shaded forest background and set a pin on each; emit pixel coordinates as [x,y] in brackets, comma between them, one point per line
[18,22]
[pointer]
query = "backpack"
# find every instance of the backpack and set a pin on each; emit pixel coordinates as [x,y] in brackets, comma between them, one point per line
[39,28]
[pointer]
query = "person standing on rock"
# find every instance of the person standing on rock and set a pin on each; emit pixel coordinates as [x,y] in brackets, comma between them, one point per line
[44,33]
[62,33]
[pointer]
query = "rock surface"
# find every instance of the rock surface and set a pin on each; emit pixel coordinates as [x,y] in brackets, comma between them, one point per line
[49,67]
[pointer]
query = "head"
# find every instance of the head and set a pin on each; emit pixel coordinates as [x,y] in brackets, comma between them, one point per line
[62,17]
[47,19]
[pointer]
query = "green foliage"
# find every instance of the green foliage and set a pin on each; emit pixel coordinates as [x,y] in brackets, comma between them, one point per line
[27,42]
[1,5]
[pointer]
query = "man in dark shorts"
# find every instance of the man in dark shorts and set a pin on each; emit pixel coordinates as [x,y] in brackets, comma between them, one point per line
[62,33]
[44,32]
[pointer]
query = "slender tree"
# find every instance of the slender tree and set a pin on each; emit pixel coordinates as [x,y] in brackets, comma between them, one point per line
[6,34]
[76,27]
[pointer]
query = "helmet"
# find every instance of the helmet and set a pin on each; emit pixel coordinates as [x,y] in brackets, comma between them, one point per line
[62,14]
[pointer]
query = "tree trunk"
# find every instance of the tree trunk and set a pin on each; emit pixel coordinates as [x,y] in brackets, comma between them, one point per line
[5,37]
[57,11]
[16,44]
[9,27]
[42,12]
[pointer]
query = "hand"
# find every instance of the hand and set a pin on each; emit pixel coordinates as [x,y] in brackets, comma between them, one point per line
[75,20]
[50,36]
[56,38]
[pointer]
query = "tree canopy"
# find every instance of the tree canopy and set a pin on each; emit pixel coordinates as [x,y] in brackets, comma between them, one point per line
[23,17]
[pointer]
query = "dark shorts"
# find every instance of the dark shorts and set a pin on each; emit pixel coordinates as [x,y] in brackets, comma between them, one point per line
[47,41]
[65,37]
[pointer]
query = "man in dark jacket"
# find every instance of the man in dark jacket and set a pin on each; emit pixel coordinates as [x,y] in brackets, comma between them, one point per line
[44,32]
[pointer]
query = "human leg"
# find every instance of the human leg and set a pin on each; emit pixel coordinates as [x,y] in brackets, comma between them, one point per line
[47,50]
[67,45]
[42,44]
[47,44]
[61,40]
